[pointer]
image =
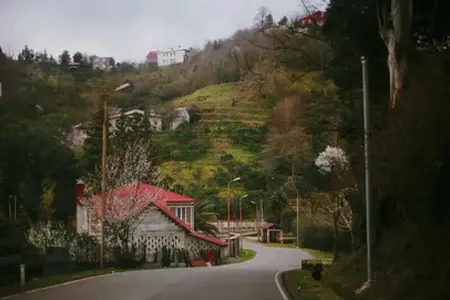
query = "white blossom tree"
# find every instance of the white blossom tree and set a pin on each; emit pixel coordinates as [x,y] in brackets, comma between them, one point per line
[334,163]
[126,197]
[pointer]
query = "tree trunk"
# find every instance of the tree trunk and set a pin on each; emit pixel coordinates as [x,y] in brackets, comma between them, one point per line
[352,239]
[335,236]
[395,30]
[397,69]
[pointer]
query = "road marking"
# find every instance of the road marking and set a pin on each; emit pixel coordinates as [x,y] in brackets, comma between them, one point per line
[59,285]
[284,293]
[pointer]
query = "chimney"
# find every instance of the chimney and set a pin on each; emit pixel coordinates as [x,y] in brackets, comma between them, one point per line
[79,191]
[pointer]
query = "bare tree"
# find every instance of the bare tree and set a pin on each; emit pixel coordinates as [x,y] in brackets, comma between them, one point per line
[261,17]
[287,137]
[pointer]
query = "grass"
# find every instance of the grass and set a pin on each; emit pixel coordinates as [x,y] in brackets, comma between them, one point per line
[54,280]
[317,254]
[218,103]
[233,101]
[245,255]
[301,285]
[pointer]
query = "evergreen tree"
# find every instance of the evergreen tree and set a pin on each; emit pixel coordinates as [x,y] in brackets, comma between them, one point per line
[78,57]
[27,55]
[64,59]
[132,130]
[92,148]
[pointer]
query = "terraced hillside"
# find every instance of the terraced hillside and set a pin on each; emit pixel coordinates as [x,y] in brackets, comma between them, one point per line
[221,105]
[226,102]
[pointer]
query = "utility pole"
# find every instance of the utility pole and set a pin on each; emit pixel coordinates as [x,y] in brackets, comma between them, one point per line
[229,212]
[240,212]
[103,180]
[366,109]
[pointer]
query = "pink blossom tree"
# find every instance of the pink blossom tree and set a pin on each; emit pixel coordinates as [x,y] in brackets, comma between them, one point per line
[126,198]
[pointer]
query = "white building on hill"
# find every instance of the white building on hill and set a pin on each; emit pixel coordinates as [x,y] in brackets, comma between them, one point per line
[172,56]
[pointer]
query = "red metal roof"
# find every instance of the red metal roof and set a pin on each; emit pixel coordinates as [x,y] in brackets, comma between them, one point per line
[317,16]
[268,225]
[131,199]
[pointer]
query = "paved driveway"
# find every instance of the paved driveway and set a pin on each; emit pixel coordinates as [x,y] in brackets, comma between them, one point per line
[252,280]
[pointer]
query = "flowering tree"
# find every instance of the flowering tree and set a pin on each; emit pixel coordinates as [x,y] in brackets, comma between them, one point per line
[45,234]
[334,163]
[126,198]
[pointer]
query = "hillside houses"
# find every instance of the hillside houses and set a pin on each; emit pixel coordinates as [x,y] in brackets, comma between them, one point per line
[175,118]
[79,132]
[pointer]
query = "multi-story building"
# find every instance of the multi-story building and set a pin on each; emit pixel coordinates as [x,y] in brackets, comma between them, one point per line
[172,56]
[103,63]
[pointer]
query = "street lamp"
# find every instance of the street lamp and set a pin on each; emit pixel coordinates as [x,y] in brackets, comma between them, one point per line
[229,209]
[105,96]
[240,211]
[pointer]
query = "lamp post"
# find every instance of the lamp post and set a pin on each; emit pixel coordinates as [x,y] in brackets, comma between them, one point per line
[256,217]
[228,211]
[103,179]
[240,211]
[366,115]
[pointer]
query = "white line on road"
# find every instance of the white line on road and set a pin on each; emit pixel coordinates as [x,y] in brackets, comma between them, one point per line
[278,281]
[61,284]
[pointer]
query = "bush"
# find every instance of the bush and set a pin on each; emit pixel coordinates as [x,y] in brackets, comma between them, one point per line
[188,142]
[321,238]
[251,138]
[82,247]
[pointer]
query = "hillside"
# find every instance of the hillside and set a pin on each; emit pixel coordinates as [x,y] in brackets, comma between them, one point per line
[222,106]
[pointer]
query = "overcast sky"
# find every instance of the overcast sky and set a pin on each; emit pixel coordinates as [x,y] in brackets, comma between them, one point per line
[128,29]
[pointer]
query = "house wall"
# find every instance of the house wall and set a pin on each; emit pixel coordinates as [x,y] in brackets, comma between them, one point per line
[82,218]
[171,56]
[154,230]
[196,245]
[181,115]
[189,212]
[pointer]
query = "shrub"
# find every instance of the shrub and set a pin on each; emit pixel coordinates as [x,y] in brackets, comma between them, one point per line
[251,138]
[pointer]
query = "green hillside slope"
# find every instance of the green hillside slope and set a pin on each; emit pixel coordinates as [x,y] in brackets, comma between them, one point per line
[227,110]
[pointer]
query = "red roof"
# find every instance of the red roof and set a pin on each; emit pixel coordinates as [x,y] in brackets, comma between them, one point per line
[317,16]
[268,225]
[131,199]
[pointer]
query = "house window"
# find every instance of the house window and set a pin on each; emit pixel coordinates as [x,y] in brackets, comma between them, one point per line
[181,213]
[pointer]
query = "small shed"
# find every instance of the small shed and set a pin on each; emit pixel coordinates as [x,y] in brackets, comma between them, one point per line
[270,233]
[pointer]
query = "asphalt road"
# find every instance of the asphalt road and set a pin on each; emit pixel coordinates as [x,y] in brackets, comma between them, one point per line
[251,280]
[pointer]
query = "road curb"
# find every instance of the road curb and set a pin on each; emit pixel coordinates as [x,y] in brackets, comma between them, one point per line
[60,284]
[280,284]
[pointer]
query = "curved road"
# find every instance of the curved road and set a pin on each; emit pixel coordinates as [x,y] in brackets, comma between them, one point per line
[251,280]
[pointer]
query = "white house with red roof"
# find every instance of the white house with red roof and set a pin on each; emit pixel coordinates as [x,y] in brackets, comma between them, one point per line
[163,218]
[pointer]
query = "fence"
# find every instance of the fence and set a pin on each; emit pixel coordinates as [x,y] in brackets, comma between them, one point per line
[234,225]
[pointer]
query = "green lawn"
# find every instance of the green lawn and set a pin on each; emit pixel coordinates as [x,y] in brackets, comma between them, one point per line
[317,254]
[54,280]
[302,286]
[245,255]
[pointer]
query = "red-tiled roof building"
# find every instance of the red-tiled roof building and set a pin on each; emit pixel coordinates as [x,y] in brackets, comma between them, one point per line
[163,218]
